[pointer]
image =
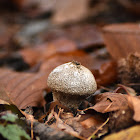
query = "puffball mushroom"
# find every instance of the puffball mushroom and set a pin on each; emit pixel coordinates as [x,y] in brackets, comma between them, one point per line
[71,83]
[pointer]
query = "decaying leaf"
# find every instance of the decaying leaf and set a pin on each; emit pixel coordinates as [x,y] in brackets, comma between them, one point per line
[61,58]
[39,6]
[6,33]
[93,124]
[44,51]
[64,10]
[128,134]
[4,97]
[122,39]
[116,106]
[49,133]
[108,102]
[100,68]
[129,70]
[63,126]
[134,103]
[76,33]
[23,89]
[107,73]
[81,126]
[131,6]
[3,102]
[121,119]
[30,56]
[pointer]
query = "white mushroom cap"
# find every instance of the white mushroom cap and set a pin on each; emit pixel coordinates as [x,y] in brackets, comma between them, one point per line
[72,78]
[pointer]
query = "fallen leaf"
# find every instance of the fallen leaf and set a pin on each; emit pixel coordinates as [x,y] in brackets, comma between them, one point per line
[100,68]
[70,11]
[129,70]
[67,128]
[108,102]
[30,56]
[128,90]
[39,6]
[81,126]
[6,34]
[3,102]
[61,58]
[91,39]
[121,119]
[131,6]
[99,128]
[49,133]
[122,39]
[134,103]
[42,52]
[76,33]
[4,96]
[62,45]
[107,73]
[23,89]
[89,122]
[127,134]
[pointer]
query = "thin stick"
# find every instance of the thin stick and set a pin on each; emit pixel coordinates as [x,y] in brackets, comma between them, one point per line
[32,133]
[89,138]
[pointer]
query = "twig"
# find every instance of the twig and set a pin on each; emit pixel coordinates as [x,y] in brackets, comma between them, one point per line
[89,138]
[105,88]
[32,133]
[108,107]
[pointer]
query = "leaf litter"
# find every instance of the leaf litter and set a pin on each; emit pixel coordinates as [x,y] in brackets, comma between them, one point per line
[23,94]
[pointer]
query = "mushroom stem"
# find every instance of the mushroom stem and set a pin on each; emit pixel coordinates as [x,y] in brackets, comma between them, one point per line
[70,101]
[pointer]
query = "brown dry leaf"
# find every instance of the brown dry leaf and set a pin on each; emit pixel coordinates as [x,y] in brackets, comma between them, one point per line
[122,39]
[6,34]
[132,6]
[30,56]
[91,124]
[42,52]
[3,102]
[63,40]
[121,119]
[128,90]
[108,102]
[34,8]
[60,124]
[129,70]
[61,58]
[48,133]
[62,45]
[134,104]
[92,38]
[4,96]
[127,134]
[81,126]
[23,89]
[104,72]
[70,11]
[107,73]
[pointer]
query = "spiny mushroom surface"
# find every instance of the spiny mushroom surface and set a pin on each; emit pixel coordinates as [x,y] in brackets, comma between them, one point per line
[71,83]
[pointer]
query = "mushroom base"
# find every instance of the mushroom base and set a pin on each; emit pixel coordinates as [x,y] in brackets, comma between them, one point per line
[70,101]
